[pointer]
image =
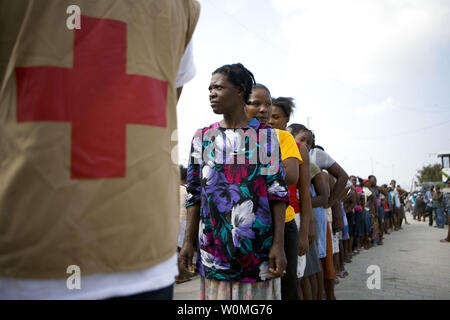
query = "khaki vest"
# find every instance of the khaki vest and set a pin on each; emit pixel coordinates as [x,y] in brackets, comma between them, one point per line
[86,121]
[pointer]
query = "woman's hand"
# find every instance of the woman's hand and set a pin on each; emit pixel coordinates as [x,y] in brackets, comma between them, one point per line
[187,251]
[277,262]
[303,243]
[185,257]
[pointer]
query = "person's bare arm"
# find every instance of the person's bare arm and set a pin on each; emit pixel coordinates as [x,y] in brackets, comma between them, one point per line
[355,198]
[312,236]
[277,256]
[322,189]
[337,223]
[191,235]
[341,180]
[373,205]
[353,202]
[291,168]
[303,185]
[349,201]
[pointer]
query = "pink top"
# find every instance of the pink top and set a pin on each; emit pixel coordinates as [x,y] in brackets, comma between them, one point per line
[359,190]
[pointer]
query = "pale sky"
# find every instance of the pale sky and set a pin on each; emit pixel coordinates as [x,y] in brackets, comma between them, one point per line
[372,76]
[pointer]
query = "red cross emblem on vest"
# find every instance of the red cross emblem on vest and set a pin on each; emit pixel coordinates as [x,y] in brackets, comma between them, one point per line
[96,96]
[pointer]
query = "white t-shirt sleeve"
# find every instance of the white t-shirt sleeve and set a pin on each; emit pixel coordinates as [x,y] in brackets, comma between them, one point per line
[321,159]
[187,69]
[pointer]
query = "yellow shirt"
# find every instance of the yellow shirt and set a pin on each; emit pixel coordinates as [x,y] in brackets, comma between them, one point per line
[288,149]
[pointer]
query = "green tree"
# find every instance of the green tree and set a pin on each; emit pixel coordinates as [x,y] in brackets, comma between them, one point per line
[430,173]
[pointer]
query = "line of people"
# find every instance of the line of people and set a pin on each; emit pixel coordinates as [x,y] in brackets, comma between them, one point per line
[282,229]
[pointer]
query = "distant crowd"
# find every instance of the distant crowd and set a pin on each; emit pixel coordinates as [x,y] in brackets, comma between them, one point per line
[433,204]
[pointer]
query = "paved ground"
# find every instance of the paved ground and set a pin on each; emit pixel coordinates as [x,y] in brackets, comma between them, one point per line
[413,264]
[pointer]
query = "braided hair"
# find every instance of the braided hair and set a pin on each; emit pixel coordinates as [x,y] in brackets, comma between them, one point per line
[240,76]
[285,103]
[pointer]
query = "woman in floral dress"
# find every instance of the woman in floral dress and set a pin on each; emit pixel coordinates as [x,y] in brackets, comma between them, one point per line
[236,198]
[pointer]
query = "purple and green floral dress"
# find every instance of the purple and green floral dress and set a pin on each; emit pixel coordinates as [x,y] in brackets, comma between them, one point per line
[235,232]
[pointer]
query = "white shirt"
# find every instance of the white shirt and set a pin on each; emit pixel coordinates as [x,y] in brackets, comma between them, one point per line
[321,159]
[105,285]
[396,198]
[187,70]
[367,194]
